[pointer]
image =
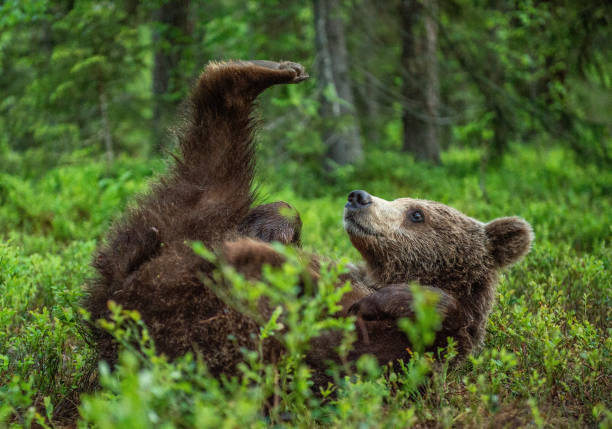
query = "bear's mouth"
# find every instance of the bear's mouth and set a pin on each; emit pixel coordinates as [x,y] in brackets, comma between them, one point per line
[353,227]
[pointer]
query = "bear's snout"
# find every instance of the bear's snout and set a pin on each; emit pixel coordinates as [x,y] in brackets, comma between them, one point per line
[358,199]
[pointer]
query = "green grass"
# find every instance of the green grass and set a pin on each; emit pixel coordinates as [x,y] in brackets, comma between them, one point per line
[547,356]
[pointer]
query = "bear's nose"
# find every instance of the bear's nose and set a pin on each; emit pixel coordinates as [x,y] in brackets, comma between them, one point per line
[359,199]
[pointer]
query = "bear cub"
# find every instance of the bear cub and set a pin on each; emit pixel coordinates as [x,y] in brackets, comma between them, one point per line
[146,264]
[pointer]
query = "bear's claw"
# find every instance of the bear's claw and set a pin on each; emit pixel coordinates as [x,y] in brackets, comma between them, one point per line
[300,72]
[298,69]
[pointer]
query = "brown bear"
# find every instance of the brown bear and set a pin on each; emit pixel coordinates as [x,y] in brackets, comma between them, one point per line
[146,263]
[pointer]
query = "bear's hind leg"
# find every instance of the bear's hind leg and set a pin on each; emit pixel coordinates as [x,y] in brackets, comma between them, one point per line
[214,173]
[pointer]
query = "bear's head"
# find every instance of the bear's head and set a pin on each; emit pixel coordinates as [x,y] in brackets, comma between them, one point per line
[409,240]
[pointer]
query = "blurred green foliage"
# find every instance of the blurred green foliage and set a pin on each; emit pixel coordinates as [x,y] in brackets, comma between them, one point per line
[79,74]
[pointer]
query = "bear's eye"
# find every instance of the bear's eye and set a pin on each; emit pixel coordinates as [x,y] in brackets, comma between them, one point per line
[416,216]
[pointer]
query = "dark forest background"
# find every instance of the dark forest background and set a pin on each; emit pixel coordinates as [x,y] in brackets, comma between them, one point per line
[107,77]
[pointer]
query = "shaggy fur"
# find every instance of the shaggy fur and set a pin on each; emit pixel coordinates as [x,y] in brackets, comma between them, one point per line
[146,265]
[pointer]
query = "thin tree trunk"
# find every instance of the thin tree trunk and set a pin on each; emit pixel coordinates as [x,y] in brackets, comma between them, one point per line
[432,81]
[106,130]
[421,87]
[171,41]
[341,133]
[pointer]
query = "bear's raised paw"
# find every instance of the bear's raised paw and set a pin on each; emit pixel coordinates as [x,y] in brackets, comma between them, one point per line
[296,68]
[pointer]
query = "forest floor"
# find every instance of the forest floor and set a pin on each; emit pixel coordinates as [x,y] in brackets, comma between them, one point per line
[546,362]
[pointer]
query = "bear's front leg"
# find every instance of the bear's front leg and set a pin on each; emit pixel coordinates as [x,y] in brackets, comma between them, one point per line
[393,302]
[396,301]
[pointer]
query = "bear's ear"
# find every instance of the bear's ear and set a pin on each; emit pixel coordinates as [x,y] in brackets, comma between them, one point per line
[509,239]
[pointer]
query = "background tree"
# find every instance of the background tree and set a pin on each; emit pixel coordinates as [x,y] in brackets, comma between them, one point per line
[340,131]
[522,61]
[68,80]
[172,42]
[418,75]
[421,85]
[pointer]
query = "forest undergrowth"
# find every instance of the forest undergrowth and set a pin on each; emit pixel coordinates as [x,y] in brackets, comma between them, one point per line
[546,361]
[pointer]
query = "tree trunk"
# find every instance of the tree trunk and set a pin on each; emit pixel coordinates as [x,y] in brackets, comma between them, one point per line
[171,40]
[106,130]
[421,84]
[341,132]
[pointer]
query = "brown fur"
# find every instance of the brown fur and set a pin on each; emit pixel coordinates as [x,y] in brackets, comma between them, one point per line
[451,254]
[145,264]
[273,222]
